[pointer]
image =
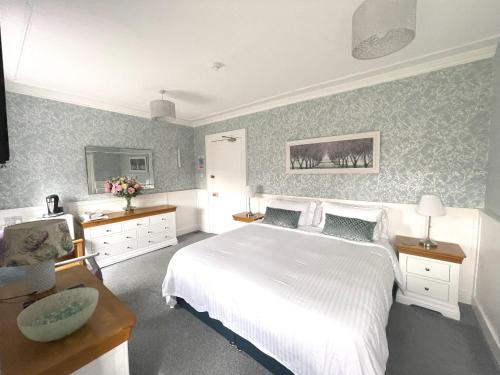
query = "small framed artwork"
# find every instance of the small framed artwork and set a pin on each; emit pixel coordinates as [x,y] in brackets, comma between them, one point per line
[351,153]
[138,163]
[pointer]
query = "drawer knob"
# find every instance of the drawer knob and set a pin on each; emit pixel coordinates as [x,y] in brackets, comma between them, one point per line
[129,247]
[150,241]
[108,230]
[128,237]
[427,289]
[106,253]
[149,232]
[427,269]
[106,243]
[164,218]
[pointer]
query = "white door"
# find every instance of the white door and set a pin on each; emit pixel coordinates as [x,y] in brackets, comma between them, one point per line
[226,178]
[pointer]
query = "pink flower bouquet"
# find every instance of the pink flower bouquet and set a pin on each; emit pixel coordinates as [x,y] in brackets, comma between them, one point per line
[126,187]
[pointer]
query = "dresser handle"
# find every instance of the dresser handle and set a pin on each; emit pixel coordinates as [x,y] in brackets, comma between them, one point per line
[149,232]
[427,269]
[106,243]
[427,289]
[129,247]
[128,237]
[164,218]
[108,230]
[150,241]
[106,254]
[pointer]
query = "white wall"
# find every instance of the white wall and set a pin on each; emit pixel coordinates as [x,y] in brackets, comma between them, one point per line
[486,300]
[185,200]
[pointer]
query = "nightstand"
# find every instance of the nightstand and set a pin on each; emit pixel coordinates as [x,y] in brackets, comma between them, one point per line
[430,276]
[243,216]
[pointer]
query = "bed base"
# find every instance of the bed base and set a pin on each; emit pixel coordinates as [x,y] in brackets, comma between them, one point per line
[237,341]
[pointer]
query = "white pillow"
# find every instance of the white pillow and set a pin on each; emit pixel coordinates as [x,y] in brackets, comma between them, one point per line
[318,214]
[367,213]
[306,209]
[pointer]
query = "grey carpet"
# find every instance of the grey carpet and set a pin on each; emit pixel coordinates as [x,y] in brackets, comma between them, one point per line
[172,341]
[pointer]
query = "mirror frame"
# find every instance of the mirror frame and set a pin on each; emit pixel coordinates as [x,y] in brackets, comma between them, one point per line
[92,189]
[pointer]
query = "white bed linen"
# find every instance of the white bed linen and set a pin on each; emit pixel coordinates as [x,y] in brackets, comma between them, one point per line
[317,304]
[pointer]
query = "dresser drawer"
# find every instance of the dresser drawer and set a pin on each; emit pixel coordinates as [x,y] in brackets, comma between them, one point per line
[152,239]
[113,239]
[428,268]
[104,230]
[117,249]
[154,229]
[167,218]
[136,223]
[427,287]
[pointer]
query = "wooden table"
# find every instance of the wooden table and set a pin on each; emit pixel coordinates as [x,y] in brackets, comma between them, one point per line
[109,327]
[243,217]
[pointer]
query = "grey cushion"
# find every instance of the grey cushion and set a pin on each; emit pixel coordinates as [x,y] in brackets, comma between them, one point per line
[349,228]
[281,218]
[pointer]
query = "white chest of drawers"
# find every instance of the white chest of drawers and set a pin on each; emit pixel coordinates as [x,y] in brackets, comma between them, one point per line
[431,277]
[125,235]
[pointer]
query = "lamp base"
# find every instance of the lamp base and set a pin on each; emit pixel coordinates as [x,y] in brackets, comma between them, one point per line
[427,243]
[41,277]
[251,214]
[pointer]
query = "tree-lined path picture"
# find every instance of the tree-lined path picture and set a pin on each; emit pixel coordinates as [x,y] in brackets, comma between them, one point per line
[353,153]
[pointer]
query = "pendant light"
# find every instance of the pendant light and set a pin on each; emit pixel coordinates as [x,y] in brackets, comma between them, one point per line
[382,27]
[162,108]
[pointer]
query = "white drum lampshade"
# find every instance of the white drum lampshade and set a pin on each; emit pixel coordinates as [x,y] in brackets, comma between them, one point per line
[37,244]
[382,27]
[162,108]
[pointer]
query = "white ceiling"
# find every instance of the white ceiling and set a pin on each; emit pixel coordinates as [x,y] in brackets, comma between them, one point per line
[117,54]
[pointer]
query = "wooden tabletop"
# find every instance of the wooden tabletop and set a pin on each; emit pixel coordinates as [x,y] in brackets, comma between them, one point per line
[243,216]
[114,217]
[447,251]
[109,326]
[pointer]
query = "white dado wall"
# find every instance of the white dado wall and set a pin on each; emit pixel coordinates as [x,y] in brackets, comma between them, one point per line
[185,200]
[460,225]
[486,300]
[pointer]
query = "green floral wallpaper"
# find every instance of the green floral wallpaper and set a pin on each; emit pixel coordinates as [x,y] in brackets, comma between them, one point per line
[434,138]
[47,140]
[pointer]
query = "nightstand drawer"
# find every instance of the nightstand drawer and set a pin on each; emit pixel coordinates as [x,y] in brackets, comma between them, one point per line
[428,288]
[428,268]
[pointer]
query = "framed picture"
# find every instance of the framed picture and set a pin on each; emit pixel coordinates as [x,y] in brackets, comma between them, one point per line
[138,163]
[351,153]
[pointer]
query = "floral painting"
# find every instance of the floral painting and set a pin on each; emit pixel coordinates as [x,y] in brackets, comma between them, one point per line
[352,153]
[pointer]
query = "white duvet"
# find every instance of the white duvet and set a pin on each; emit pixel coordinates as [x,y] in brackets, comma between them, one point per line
[317,304]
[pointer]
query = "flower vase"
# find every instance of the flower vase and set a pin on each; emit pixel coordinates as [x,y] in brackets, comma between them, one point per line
[129,206]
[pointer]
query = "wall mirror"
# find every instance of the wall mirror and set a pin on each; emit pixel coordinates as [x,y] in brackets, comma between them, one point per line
[103,163]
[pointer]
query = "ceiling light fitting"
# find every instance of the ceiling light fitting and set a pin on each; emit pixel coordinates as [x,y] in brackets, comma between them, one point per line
[162,108]
[218,65]
[382,27]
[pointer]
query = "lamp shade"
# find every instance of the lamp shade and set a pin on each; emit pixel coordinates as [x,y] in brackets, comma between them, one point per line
[382,27]
[162,109]
[36,242]
[250,191]
[430,205]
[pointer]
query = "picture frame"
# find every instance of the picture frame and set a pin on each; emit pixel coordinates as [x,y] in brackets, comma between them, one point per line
[138,164]
[341,154]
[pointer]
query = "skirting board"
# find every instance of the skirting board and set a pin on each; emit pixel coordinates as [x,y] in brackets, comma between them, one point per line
[487,328]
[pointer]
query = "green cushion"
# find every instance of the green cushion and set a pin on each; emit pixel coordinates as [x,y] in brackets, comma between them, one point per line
[281,218]
[349,228]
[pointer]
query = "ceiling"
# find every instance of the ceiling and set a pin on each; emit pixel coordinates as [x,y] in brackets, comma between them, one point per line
[118,54]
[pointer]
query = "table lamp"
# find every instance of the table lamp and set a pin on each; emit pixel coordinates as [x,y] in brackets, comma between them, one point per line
[37,244]
[250,193]
[430,205]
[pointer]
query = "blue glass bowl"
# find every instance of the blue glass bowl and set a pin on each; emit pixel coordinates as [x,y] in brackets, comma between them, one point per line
[58,315]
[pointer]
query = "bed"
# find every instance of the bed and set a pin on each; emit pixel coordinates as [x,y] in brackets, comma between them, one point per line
[315,303]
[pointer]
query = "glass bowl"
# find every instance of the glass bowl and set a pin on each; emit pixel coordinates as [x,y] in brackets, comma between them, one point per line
[58,315]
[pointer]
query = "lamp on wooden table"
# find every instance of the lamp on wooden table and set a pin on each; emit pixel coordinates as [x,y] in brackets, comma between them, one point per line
[37,245]
[430,205]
